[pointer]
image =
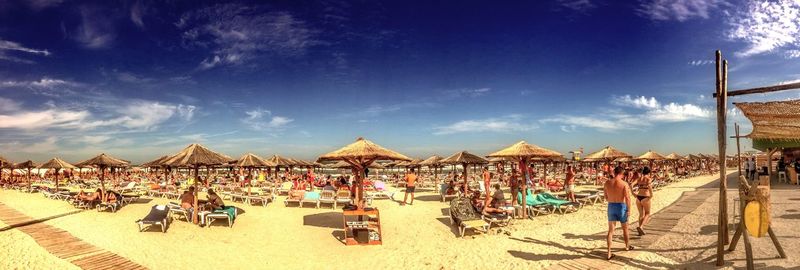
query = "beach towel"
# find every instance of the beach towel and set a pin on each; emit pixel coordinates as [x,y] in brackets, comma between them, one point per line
[462,210]
[550,199]
[230,210]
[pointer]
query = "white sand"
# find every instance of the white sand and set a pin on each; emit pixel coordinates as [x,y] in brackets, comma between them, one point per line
[415,237]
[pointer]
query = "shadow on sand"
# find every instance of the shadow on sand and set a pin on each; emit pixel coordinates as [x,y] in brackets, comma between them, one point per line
[331,220]
[36,221]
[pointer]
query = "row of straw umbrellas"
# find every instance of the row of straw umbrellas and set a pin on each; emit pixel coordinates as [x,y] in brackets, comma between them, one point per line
[357,156]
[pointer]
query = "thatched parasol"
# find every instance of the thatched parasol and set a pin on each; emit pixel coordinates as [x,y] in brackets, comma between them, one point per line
[693,157]
[651,155]
[250,160]
[608,153]
[194,156]
[359,155]
[623,159]
[523,152]
[3,163]
[673,156]
[155,163]
[28,164]
[57,164]
[103,161]
[434,162]
[464,158]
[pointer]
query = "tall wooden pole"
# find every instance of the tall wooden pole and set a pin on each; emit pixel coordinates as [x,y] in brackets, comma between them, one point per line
[722,222]
[738,149]
[524,187]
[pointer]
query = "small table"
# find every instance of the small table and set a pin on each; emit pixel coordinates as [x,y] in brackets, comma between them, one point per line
[362,221]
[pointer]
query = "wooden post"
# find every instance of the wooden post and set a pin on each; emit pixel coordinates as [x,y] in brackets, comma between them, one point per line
[722,222]
[738,149]
[524,187]
[196,209]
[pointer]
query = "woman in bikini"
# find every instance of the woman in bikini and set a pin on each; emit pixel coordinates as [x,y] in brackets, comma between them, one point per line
[644,195]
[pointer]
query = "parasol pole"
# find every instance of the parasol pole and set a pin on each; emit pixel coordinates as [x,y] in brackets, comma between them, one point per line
[524,187]
[196,176]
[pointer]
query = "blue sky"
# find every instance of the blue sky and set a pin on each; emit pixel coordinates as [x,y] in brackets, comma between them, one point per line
[140,79]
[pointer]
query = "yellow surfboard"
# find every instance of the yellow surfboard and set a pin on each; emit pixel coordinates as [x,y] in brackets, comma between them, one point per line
[756,219]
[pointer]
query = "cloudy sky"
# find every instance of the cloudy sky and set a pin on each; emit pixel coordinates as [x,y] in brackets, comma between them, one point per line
[140,79]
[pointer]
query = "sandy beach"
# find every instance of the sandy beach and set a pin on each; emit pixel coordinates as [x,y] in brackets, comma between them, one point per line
[416,237]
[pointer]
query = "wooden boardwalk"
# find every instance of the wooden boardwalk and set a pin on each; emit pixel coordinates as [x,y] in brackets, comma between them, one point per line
[660,224]
[62,244]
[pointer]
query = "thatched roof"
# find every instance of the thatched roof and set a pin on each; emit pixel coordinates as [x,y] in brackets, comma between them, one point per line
[301,163]
[651,155]
[281,161]
[693,156]
[28,164]
[155,163]
[673,156]
[524,149]
[104,161]
[623,159]
[56,163]
[196,155]
[607,153]
[432,161]
[251,160]
[464,157]
[775,120]
[4,160]
[363,150]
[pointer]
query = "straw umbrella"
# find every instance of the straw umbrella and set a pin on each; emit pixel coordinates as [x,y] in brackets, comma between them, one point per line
[434,162]
[3,163]
[279,162]
[194,156]
[651,156]
[26,165]
[673,156]
[250,161]
[523,152]
[464,158]
[608,153]
[102,162]
[359,155]
[57,164]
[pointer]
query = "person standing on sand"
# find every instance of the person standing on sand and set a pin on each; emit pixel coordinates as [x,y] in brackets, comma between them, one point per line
[487,178]
[411,181]
[619,202]
[644,196]
[514,182]
[569,184]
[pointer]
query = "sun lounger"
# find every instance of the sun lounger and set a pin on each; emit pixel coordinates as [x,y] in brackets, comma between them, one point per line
[380,191]
[443,192]
[171,193]
[590,197]
[464,215]
[562,206]
[534,205]
[226,213]
[343,197]
[175,209]
[327,197]
[285,188]
[262,199]
[159,215]
[311,197]
[295,196]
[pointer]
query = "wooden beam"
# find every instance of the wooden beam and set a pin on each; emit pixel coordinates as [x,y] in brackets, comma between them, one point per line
[722,220]
[765,89]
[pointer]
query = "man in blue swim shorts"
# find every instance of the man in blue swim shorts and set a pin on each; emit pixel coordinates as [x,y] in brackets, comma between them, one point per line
[617,193]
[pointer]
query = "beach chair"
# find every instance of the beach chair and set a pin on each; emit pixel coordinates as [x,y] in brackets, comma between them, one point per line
[285,188]
[311,197]
[380,191]
[171,192]
[130,187]
[563,206]
[464,215]
[159,215]
[265,197]
[590,197]
[443,192]
[175,209]
[113,206]
[343,196]
[238,194]
[327,197]
[226,213]
[226,192]
[294,196]
[499,219]
[534,205]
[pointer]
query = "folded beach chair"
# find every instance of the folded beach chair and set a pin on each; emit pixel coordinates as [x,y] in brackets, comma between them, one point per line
[159,215]
[562,206]
[443,192]
[311,197]
[343,196]
[464,215]
[226,213]
[295,196]
[327,197]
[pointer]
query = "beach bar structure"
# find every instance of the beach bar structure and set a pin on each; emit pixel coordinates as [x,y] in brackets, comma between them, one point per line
[775,126]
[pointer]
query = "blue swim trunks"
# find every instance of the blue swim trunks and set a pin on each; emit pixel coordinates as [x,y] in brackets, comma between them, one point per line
[617,212]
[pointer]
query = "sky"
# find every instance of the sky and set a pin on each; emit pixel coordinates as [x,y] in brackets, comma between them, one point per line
[141,79]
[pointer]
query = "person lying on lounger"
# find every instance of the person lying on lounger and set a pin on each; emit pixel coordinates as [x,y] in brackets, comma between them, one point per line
[497,202]
[90,197]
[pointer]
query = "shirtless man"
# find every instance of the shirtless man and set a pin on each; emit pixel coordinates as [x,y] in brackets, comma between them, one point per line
[411,180]
[619,205]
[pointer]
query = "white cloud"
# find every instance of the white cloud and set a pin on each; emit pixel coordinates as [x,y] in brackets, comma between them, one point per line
[637,102]
[260,119]
[701,62]
[8,105]
[137,11]
[186,112]
[44,86]
[511,123]
[466,92]
[766,26]
[94,139]
[96,30]
[791,54]
[43,119]
[577,5]
[649,112]
[237,34]
[9,46]
[679,10]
